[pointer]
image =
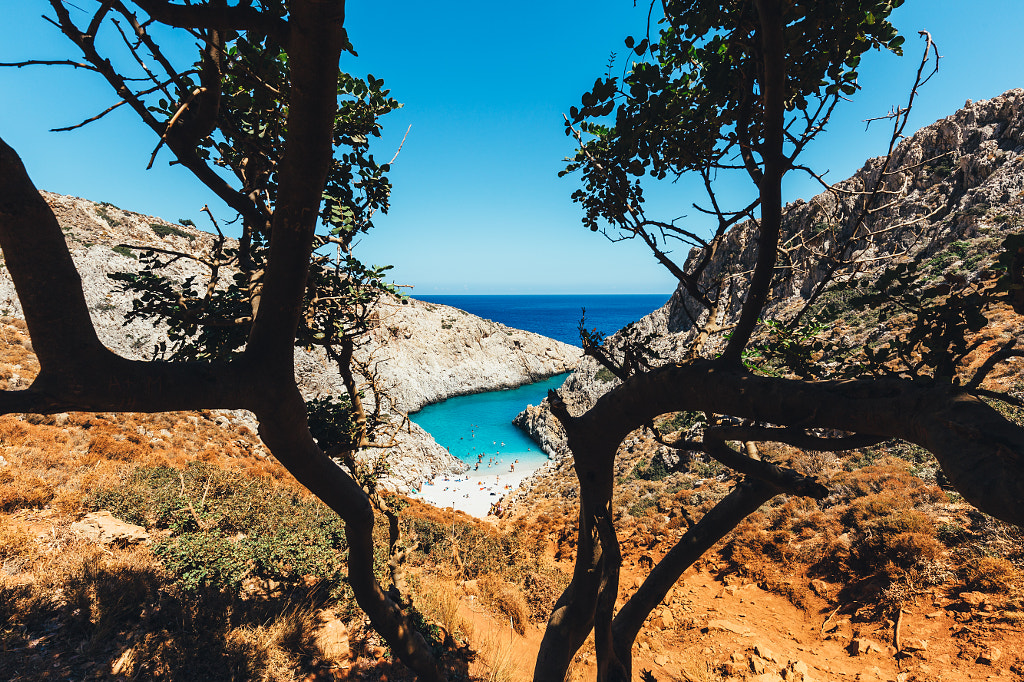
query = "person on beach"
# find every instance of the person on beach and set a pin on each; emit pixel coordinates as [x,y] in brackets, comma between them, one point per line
[512,467]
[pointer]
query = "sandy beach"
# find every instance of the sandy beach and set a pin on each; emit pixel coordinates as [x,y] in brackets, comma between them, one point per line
[475,491]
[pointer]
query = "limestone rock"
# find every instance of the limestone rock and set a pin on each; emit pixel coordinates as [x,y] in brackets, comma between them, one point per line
[974,189]
[104,528]
[727,626]
[332,640]
[797,671]
[766,677]
[664,620]
[423,352]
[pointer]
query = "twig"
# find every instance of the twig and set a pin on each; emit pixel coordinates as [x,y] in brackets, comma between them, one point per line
[399,150]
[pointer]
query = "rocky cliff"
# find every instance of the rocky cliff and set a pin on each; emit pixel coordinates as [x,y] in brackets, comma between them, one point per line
[423,352]
[954,189]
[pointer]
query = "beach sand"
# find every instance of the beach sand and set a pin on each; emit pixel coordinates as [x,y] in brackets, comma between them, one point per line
[475,491]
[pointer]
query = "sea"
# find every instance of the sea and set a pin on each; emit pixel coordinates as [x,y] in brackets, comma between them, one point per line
[557,315]
[481,424]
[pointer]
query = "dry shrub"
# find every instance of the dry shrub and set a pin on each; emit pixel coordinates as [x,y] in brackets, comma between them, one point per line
[543,588]
[895,542]
[439,601]
[504,597]
[18,492]
[991,574]
[103,446]
[67,501]
[17,549]
[12,430]
[499,658]
[278,644]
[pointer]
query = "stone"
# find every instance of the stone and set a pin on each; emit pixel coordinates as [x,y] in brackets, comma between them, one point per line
[661,659]
[332,640]
[915,645]
[104,528]
[990,655]
[727,626]
[974,599]
[758,665]
[797,671]
[665,620]
[766,677]
[820,588]
[734,669]
[862,645]
[765,653]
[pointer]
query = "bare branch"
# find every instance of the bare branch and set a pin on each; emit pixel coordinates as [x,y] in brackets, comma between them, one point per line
[216,16]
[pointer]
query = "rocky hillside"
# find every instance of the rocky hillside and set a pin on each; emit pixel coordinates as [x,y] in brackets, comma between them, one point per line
[958,191]
[423,352]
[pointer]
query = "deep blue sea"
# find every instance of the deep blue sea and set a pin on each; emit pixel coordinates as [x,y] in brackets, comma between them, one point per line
[482,423]
[558,315]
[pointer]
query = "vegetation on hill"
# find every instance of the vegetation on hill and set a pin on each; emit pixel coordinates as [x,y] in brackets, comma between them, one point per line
[243,560]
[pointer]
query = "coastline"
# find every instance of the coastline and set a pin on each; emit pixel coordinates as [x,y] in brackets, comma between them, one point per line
[474,492]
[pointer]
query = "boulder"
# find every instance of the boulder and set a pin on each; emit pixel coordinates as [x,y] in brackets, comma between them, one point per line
[104,528]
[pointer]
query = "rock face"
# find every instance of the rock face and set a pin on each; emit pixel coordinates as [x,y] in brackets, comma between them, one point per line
[424,352]
[963,182]
[427,352]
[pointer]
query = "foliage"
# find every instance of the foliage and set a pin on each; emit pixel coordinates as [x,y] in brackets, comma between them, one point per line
[162,230]
[691,101]
[224,527]
[331,423]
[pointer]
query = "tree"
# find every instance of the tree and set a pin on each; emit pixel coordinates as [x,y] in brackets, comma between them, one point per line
[264,100]
[743,87]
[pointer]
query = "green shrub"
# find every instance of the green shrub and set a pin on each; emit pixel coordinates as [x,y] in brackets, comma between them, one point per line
[203,560]
[604,375]
[162,230]
[245,525]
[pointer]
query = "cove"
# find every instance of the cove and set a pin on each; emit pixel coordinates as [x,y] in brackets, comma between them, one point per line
[481,423]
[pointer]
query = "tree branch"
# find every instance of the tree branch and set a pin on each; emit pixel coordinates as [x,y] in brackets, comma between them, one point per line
[209,16]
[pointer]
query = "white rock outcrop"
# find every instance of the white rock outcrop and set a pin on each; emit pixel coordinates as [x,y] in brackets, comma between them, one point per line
[423,352]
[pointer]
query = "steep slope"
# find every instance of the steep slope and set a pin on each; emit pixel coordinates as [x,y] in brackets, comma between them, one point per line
[956,188]
[423,353]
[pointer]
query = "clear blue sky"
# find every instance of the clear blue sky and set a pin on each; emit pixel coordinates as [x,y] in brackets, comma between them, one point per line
[477,206]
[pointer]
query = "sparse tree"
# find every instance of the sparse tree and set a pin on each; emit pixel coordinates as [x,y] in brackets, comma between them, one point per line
[265,100]
[742,87]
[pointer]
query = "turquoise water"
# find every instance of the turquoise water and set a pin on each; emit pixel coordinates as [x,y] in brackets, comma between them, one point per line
[481,423]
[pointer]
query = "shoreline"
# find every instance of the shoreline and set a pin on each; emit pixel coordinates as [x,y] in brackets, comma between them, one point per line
[474,492]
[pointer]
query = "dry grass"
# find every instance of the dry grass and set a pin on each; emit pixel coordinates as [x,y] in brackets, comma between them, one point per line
[439,601]
[498,656]
[507,599]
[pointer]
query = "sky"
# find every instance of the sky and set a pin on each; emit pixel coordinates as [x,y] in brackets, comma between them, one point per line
[477,207]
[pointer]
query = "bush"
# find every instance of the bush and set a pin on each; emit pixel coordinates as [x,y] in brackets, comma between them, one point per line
[203,560]
[504,597]
[17,492]
[161,230]
[991,574]
[242,525]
